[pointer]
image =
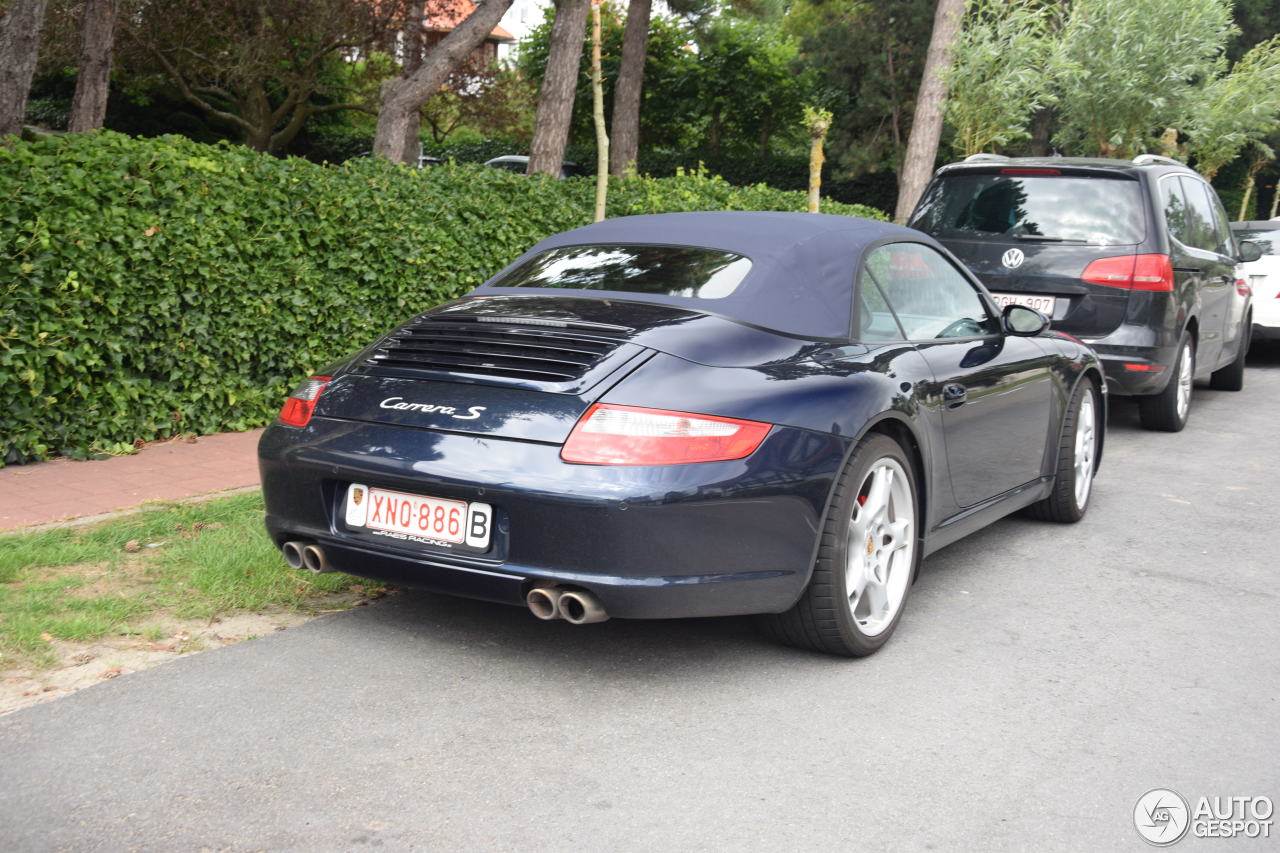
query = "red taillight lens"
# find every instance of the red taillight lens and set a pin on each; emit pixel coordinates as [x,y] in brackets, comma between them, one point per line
[628,435]
[1132,272]
[1030,172]
[302,402]
[1244,289]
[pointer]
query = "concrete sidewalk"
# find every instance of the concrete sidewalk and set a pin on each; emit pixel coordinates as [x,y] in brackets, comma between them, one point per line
[47,492]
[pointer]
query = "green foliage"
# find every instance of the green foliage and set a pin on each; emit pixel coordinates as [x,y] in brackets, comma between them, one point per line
[1131,67]
[870,57]
[999,75]
[741,86]
[156,286]
[668,104]
[1235,108]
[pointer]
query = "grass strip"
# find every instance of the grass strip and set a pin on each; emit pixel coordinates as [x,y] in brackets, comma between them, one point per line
[120,577]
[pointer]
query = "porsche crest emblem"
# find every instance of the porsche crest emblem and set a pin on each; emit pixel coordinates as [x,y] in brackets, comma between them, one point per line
[357,495]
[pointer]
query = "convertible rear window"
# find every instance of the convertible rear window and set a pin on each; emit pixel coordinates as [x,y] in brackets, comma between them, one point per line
[1097,210]
[658,270]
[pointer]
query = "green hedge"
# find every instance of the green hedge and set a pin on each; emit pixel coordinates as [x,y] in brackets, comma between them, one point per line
[155,286]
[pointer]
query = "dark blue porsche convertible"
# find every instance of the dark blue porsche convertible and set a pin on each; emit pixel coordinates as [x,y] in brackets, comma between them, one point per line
[693,414]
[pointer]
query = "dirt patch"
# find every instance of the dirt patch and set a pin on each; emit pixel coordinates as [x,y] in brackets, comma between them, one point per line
[84,664]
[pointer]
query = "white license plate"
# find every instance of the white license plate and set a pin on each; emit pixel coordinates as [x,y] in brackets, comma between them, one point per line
[419,517]
[1043,304]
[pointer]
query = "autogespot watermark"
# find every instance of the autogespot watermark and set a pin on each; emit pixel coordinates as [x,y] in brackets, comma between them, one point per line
[1164,817]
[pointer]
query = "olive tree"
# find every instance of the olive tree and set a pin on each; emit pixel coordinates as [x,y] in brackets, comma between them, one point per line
[1130,67]
[1001,74]
[1234,108]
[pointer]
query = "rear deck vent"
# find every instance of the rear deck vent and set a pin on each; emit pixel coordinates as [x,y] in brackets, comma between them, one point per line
[489,348]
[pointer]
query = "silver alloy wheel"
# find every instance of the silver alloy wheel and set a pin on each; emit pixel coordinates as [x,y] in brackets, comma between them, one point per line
[1185,371]
[1086,442]
[881,550]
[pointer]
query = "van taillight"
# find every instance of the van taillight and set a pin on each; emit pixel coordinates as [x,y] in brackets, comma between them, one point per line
[302,401]
[1132,272]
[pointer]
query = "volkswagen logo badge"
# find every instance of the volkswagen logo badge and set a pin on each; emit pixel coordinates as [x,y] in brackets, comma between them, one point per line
[1012,259]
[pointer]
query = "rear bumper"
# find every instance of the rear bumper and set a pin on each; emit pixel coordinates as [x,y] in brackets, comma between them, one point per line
[1137,360]
[712,539]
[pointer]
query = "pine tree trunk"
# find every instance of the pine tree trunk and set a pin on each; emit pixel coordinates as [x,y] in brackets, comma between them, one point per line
[402,98]
[926,128]
[559,85]
[97,35]
[625,147]
[19,49]
[597,113]
[412,62]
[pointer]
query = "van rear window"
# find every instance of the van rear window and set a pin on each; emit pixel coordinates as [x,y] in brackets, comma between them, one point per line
[1098,211]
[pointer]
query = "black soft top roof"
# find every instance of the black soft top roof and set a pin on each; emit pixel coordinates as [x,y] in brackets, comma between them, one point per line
[802,264]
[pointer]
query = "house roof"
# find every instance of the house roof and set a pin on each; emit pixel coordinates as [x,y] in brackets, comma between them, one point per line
[445,15]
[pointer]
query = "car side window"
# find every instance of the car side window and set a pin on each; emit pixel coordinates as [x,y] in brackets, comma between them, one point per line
[1175,210]
[1222,242]
[930,297]
[1200,225]
[875,318]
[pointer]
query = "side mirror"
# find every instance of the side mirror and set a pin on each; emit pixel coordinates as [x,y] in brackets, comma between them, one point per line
[1249,251]
[1023,321]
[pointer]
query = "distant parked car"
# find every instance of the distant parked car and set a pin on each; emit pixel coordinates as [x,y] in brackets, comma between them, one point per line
[519,163]
[423,160]
[1133,257]
[1263,275]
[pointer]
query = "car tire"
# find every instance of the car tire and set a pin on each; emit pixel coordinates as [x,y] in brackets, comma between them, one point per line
[867,558]
[1168,410]
[1231,377]
[1077,460]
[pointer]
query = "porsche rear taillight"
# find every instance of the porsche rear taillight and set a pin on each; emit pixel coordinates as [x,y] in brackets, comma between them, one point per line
[1132,272]
[629,435]
[302,401]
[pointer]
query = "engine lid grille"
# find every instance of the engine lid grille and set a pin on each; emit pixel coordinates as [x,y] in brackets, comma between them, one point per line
[564,354]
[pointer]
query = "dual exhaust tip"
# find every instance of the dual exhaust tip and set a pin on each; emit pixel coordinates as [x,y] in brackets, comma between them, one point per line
[306,555]
[548,602]
[575,606]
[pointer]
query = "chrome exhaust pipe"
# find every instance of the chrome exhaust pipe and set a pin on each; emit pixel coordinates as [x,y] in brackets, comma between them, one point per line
[544,602]
[580,607]
[315,561]
[292,552]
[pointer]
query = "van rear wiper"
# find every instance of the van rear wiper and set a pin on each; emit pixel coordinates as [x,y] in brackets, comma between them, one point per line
[1040,238]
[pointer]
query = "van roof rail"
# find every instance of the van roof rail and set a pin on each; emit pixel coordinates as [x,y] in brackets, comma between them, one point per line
[1156,159]
[986,158]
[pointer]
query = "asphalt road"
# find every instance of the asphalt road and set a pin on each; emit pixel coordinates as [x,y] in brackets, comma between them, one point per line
[1044,677]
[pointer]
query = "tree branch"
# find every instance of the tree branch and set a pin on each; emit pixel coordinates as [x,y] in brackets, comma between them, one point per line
[190,95]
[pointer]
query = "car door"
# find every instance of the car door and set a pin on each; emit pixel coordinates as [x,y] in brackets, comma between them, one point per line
[1207,265]
[991,392]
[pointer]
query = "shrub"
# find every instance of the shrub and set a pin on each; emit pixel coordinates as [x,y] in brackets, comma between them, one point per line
[158,286]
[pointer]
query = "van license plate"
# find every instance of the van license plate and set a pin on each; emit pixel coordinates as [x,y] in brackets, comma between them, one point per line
[1043,304]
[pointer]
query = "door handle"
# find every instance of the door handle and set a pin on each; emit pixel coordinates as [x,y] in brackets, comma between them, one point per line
[954,393]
